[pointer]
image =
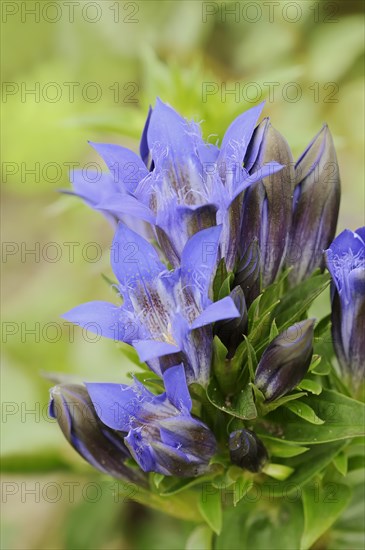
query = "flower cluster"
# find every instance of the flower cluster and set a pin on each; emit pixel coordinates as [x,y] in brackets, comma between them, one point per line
[217,255]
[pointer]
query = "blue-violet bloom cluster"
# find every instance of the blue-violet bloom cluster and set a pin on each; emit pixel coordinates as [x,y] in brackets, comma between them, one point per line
[217,255]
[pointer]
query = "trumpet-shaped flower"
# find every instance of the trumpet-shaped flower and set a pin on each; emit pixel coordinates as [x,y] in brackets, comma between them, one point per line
[162,435]
[101,446]
[183,184]
[346,262]
[166,315]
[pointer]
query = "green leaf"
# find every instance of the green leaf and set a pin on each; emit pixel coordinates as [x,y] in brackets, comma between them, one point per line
[240,405]
[265,408]
[273,331]
[281,449]
[278,471]
[306,467]
[252,525]
[304,411]
[251,359]
[131,354]
[323,504]
[220,277]
[320,366]
[226,287]
[341,463]
[253,313]
[310,385]
[200,538]
[295,303]
[343,419]
[211,508]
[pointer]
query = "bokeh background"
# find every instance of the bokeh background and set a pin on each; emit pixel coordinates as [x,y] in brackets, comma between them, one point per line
[78,71]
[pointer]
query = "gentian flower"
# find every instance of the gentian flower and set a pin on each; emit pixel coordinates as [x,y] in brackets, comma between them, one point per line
[166,315]
[345,260]
[285,361]
[101,446]
[187,184]
[162,435]
[315,206]
[267,205]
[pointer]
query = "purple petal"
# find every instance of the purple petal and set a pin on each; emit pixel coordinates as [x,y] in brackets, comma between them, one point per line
[92,186]
[150,349]
[141,451]
[126,167]
[123,204]
[176,387]
[105,319]
[143,147]
[267,170]
[133,258]
[114,404]
[224,309]
[167,129]
[238,135]
[199,258]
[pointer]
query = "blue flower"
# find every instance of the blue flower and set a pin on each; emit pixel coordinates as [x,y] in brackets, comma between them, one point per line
[346,262]
[181,184]
[162,435]
[316,203]
[166,315]
[102,447]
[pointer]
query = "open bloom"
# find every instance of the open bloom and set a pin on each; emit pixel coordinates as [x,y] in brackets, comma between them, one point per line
[181,184]
[162,435]
[346,262]
[166,315]
[101,446]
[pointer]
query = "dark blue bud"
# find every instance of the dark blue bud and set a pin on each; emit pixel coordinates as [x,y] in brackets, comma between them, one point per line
[285,361]
[248,272]
[315,207]
[247,451]
[268,203]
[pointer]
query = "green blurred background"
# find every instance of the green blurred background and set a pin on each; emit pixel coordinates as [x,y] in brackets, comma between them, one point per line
[94,67]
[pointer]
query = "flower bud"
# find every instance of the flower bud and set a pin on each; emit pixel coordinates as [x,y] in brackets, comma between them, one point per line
[315,206]
[285,361]
[101,446]
[248,273]
[268,203]
[231,331]
[247,451]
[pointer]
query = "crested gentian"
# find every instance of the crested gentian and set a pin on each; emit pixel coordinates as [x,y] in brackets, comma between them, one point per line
[166,315]
[285,361]
[194,223]
[345,260]
[162,435]
[267,205]
[101,446]
[315,206]
[187,184]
